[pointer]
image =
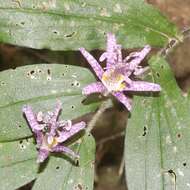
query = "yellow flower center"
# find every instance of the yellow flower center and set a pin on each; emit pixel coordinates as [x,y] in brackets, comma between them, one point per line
[113,81]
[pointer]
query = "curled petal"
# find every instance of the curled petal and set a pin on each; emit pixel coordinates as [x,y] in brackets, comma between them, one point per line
[92,61]
[137,58]
[61,148]
[96,87]
[64,135]
[141,86]
[103,57]
[126,101]
[42,155]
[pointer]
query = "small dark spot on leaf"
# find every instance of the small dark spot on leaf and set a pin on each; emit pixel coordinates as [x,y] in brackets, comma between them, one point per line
[78,84]
[72,84]
[145,131]
[2,83]
[48,71]
[70,35]
[21,142]
[162,66]
[55,32]
[157,74]
[72,107]
[63,74]
[57,168]
[39,71]
[22,146]
[104,33]
[184,164]
[22,23]
[178,135]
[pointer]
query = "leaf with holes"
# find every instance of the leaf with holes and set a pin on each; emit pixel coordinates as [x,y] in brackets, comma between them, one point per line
[157,137]
[40,86]
[18,166]
[68,25]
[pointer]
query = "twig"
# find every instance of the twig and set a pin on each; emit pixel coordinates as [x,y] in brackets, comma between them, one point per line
[102,108]
[122,165]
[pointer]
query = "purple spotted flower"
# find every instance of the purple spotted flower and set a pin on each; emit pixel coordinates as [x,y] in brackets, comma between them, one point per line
[116,77]
[51,133]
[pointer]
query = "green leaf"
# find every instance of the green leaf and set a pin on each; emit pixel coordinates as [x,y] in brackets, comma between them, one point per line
[60,175]
[18,166]
[41,86]
[70,24]
[157,137]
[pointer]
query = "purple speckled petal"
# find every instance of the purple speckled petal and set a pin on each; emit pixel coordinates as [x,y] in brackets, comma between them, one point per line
[39,138]
[61,148]
[31,118]
[112,50]
[141,86]
[42,155]
[126,101]
[64,135]
[92,61]
[96,87]
[53,120]
[138,57]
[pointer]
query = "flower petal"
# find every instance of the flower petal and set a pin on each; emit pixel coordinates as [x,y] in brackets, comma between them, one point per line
[64,135]
[92,61]
[141,86]
[126,101]
[137,58]
[42,155]
[61,148]
[31,118]
[96,87]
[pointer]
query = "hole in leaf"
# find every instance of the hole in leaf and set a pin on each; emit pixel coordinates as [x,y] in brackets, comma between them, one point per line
[48,71]
[158,74]
[77,162]
[70,35]
[55,32]
[32,72]
[145,131]
[79,187]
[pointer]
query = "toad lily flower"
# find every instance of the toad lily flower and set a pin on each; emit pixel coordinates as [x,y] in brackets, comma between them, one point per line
[115,77]
[51,133]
